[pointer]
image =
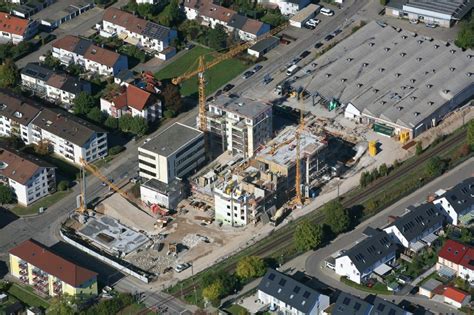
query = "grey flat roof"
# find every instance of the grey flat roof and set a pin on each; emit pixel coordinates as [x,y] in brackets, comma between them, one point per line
[241,106]
[455,8]
[60,9]
[431,284]
[161,187]
[303,14]
[264,44]
[376,89]
[172,139]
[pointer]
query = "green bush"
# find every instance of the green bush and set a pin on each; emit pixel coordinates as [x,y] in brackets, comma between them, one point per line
[63,185]
[116,149]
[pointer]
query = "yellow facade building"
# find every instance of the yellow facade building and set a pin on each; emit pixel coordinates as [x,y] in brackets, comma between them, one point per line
[34,264]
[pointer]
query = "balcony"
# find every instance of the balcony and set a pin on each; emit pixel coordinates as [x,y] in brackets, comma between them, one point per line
[24,279]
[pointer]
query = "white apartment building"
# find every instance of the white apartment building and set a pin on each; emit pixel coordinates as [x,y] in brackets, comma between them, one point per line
[284,295]
[30,178]
[287,7]
[74,50]
[241,125]
[15,30]
[68,136]
[52,86]
[458,202]
[136,31]
[153,192]
[178,151]
[132,100]
[146,1]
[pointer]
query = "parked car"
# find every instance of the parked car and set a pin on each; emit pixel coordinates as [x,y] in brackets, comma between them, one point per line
[218,92]
[189,46]
[414,290]
[228,87]
[247,74]
[257,68]
[328,37]
[210,99]
[431,25]
[403,279]
[181,267]
[309,26]
[336,32]
[318,45]
[381,23]
[414,21]
[304,54]
[326,12]
[267,79]
[295,60]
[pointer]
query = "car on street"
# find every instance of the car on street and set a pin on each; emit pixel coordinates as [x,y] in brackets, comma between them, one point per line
[326,12]
[189,46]
[295,60]
[257,68]
[181,267]
[210,99]
[247,74]
[336,32]
[309,26]
[308,71]
[218,92]
[328,37]
[267,79]
[318,45]
[381,23]
[304,54]
[414,21]
[431,25]
[228,87]
[414,290]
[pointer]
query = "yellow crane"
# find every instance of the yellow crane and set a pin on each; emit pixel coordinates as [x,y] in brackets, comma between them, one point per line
[96,172]
[203,66]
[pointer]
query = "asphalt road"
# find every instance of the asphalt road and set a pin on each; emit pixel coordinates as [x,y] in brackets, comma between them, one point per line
[313,263]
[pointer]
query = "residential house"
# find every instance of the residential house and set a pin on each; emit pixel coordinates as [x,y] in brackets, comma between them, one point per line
[69,136]
[429,288]
[287,7]
[30,178]
[74,50]
[178,151]
[285,295]
[415,229]
[36,265]
[457,257]
[371,305]
[212,14]
[136,31]
[51,85]
[130,99]
[456,297]
[14,29]
[62,11]
[358,262]
[458,202]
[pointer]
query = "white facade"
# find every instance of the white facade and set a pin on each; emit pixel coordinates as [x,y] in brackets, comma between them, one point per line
[15,30]
[345,267]
[37,187]
[274,302]
[146,1]
[165,195]
[444,205]
[288,7]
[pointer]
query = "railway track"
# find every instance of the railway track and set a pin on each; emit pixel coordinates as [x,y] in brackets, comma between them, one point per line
[284,238]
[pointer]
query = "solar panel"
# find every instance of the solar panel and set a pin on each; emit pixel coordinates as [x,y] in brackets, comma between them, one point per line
[381,307]
[282,282]
[271,276]
[357,306]
[296,289]
[392,312]
[346,301]
[306,294]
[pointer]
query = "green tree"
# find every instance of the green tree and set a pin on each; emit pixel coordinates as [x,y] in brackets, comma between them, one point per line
[95,114]
[172,98]
[337,217]
[74,69]
[139,126]
[383,2]
[192,29]
[307,236]
[364,179]
[169,113]
[6,195]
[273,19]
[62,305]
[434,167]
[419,148]
[111,122]
[171,15]
[250,267]
[374,174]
[63,185]
[116,149]
[465,38]
[383,169]
[51,61]
[470,134]
[9,74]
[213,292]
[83,103]
[217,37]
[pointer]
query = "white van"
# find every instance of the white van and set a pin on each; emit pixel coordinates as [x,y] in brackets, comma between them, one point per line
[327,12]
[291,70]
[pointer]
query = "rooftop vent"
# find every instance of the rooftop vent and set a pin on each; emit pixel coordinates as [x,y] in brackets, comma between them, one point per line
[386,49]
[452,51]
[359,85]
[416,114]
[375,90]
[445,91]
[412,80]
[403,54]
[381,69]
[365,64]
[419,41]
[434,70]
[470,56]
[431,103]
[349,59]
[398,74]
[413,98]
[429,86]
[399,108]
[419,59]
[383,102]
[403,87]
[328,75]
[427,72]
[18,114]
[452,69]
[343,80]
[469,74]
[371,44]
[436,46]
[3,165]
[404,36]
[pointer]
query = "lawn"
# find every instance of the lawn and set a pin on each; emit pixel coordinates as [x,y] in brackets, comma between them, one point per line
[135,309]
[378,288]
[27,296]
[236,309]
[215,77]
[44,202]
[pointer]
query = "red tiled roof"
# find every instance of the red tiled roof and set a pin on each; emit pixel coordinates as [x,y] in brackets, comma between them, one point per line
[40,256]
[453,251]
[252,26]
[455,294]
[216,12]
[16,167]
[12,24]
[468,259]
[101,55]
[68,42]
[132,96]
[125,19]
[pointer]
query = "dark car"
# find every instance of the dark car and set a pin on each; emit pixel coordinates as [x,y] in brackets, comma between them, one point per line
[304,54]
[218,92]
[228,87]
[309,27]
[336,32]
[318,45]
[414,290]
[328,37]
[210,99]
[247,74]
[257,68]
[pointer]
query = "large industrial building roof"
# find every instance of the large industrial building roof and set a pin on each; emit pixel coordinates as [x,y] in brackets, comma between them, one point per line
[454,8]
[241,106]
[393,76]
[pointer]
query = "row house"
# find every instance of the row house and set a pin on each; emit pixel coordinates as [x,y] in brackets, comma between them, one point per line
[30,178]
[51,85]
[132,100]
[359,262]
[65,135]
[74,50]
[458,202]
[212,14]
[136,31]
[34,264]
[15,29]
[416,229]
[457,257]
[287,7]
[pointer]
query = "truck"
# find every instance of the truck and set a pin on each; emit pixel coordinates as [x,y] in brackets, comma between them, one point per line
[278,216]
[291,70]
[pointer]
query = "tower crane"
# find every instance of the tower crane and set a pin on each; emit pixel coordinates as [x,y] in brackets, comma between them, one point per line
[299,199]
[203,66]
